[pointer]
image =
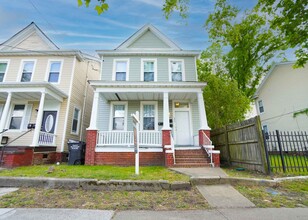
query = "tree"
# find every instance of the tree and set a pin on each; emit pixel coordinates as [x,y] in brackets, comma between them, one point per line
[290,19]
[224,102]
[247,41]
[101,6]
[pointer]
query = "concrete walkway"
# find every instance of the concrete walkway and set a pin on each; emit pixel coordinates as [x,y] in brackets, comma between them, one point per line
[217,214]
[218,196]
[5,190]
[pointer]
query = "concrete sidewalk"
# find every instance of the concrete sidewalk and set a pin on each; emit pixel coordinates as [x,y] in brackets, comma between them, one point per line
[213,214]
[202,172]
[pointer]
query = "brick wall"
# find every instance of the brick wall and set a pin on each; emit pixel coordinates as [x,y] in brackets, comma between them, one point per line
[16,159]
[90,148]
[207,132]
[128,158]
[44,158]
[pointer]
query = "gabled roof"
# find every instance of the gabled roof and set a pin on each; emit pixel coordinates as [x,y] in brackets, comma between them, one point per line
[24,34]
[268,75]
[148,27]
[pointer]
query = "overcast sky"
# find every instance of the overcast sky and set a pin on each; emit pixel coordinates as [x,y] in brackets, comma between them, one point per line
[73,27]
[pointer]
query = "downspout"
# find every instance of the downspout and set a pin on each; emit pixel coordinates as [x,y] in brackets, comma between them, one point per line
[84,101]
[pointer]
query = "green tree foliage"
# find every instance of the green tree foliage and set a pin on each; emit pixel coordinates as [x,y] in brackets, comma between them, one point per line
[101,6]
[248,42]
[224,102]
[290,19]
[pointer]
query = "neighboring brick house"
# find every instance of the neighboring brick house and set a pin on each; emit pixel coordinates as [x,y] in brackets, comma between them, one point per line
[282,93]
[46,86]
[150,74]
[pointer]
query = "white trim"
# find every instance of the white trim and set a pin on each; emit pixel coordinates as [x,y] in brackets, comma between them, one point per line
[189,115]
[48,70]
[114,68]
[68,104]
[155,103]
[19,75]
[78,122]
[127,149]
[196,71]
[142,68]
[7,67]
[154,52]
[56,109]
[125,103]
[8,120]
[183,68]
[258,106]
[187,148]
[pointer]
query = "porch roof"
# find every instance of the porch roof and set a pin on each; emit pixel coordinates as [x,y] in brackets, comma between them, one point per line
[31,91]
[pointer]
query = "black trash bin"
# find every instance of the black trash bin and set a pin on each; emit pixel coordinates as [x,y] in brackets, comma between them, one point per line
[77,151]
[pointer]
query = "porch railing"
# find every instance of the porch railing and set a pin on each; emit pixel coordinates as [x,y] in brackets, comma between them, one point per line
[46,139]
[172,147]
[115,138]
[150,138]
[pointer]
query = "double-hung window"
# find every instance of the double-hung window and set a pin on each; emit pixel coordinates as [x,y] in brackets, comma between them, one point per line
[54,71]
[121,70]
[261,107]
[149,115]
[76,119]
[3,67]
[176,69]
[27,70]
[148,69]
[17,115]
[118,122]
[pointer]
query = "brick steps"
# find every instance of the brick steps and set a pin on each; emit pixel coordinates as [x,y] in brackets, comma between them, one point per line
[191,158]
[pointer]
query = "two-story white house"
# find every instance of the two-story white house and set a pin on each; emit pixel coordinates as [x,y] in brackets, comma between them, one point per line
[282,93]
[150,74]
[43,85]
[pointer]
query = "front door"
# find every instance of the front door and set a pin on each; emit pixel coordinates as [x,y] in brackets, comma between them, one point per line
[182,128]
[49,121]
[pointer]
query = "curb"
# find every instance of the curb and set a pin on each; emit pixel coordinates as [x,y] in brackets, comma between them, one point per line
[93,184]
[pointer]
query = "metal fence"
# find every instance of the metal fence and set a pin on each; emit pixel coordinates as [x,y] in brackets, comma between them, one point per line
[286,151]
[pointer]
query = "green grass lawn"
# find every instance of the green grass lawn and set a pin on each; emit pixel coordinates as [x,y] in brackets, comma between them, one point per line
[96,172]
[294,164]
[288,194]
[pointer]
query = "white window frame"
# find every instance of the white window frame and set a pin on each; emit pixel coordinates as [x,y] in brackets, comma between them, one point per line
[50,61]
[259,106]
[1,109]
[266,128]
[112,104]
[114,68]
[155,103]
[7,67]
[183,69]
[78,123]
[21,68]
[11,115]
[142,68]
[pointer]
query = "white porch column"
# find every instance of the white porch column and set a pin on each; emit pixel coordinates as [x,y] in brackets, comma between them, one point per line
[93,125]
[5,113]
[202,114]
[166,125]
[39,120]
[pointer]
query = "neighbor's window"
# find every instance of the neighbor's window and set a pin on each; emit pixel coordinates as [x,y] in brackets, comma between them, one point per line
[27,71]
[75,123]
[3,66]
[176,71]
[118,117]
[54,71]
[148,71]
[17,116]
[261,107]
[121,71]
[265,128]
[148,117]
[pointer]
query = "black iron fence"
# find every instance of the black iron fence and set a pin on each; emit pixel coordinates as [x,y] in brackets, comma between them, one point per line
[286,151]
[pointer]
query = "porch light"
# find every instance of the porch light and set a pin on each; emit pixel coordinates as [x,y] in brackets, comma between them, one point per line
[4,140]
[177,104]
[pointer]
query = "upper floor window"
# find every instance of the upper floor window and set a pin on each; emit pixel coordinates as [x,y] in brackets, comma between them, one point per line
[176,68]
[76,121]
[148,70]
[3,68]
[27,71]
[17,116]
[54,71]
[120,70]
[261,107]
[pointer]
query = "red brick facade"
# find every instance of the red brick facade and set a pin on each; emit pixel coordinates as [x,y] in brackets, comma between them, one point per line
[216,159]
[90,148]
[207,132]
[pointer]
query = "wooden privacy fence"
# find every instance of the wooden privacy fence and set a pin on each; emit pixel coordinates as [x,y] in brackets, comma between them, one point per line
[241,144]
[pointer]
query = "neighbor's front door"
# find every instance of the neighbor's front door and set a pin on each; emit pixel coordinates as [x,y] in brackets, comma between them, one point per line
[49,121]
[182,128]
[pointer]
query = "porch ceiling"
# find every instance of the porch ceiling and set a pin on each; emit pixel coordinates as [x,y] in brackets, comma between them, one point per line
[29,96]
[121,96]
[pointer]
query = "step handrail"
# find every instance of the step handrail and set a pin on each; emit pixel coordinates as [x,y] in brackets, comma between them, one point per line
[208,151]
